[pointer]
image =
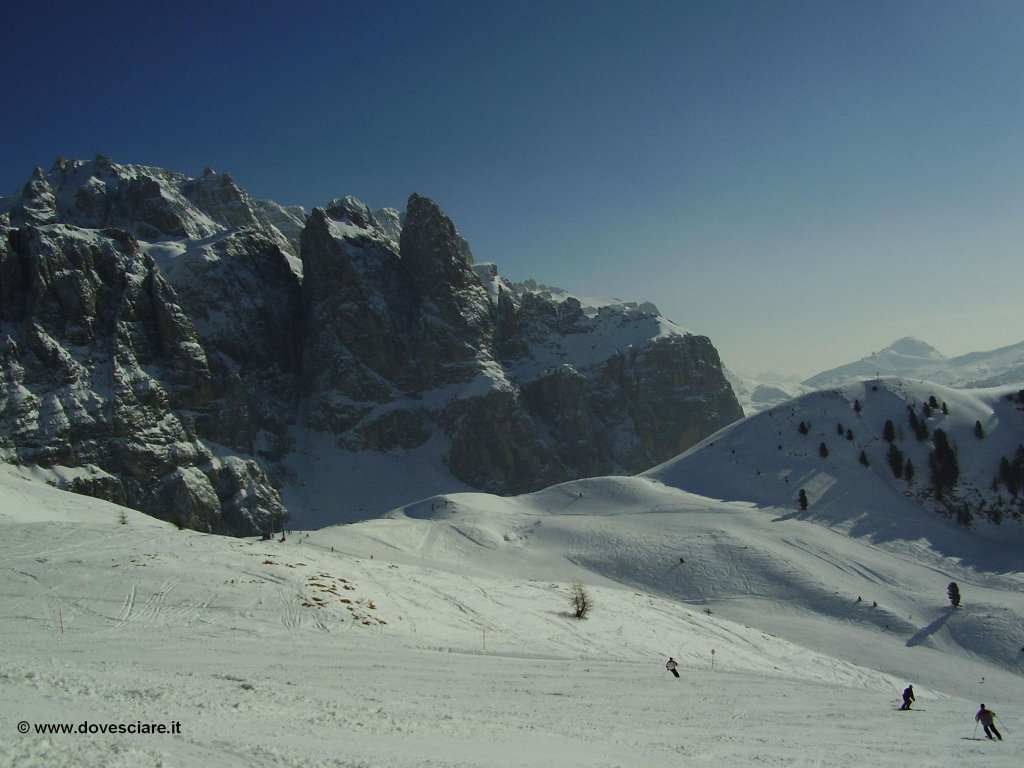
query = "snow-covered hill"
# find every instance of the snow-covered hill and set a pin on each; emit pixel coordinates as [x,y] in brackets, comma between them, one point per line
[832,443]
[442,635]
[915,359]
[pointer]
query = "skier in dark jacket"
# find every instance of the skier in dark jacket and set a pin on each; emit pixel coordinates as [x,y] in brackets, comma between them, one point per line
[671,665]
[908,697]
[987,717]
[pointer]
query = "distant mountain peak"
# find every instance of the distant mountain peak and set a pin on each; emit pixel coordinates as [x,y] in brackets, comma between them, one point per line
[912,358]
[914,347]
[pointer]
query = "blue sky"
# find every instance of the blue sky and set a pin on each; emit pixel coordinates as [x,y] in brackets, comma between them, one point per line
[804,182]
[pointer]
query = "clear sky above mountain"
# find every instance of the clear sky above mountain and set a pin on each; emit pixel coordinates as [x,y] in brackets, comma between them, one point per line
[804,182]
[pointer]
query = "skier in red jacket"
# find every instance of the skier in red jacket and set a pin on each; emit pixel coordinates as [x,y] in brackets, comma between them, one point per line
[987,717]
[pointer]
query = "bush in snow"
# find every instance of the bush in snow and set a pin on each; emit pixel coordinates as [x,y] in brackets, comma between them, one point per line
[580,601]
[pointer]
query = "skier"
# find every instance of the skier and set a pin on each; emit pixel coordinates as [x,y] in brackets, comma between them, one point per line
[987,717]
[671,665]
[908,696]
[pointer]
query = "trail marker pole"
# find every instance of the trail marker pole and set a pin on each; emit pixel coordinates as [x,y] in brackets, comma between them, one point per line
[712,659]
[60,613]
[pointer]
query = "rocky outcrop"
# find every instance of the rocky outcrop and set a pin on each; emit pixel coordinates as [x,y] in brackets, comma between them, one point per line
[104,368]
[165,339]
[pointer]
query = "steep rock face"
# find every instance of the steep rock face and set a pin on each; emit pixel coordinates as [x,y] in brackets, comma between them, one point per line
[104,369]
[412,339]
[672,392]
[563,400]
[495,445]
[245,303]
[357,315]
[639,405]
[451,307]
[166,340]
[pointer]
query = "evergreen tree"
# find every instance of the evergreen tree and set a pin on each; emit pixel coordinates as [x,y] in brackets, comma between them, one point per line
[856,406]
[823,451]
[895,459]
[1006,475]
[919,427]
[803,499]
[889,431]
[979,431]
[803,429]
[849,435]
[945,467]
[864,459]
[954,594]
[908,471]
[839,429]
[1012,472]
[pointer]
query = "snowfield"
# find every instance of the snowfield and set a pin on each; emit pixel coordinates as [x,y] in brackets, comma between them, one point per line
[443,636]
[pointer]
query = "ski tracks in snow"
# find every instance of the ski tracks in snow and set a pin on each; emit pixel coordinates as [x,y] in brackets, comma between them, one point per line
[152,611]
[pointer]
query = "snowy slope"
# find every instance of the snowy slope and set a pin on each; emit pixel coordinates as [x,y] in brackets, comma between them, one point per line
[766,459]
[441,636]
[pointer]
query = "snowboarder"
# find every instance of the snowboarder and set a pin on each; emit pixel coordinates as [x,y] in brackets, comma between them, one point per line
[987,717]
[671,665]
[908,696]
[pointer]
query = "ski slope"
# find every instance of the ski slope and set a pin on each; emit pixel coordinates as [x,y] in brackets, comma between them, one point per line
[442,636]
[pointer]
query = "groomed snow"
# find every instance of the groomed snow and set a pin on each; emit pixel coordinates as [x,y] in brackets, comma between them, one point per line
[442,636]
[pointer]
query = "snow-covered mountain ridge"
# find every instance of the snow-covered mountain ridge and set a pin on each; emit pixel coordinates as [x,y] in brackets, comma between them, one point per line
[912,358]
[907,358]
[172,344]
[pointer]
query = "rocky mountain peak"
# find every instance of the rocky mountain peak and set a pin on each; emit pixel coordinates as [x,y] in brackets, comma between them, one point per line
[39,206]
[352,211]
[432,249]
[171,343]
